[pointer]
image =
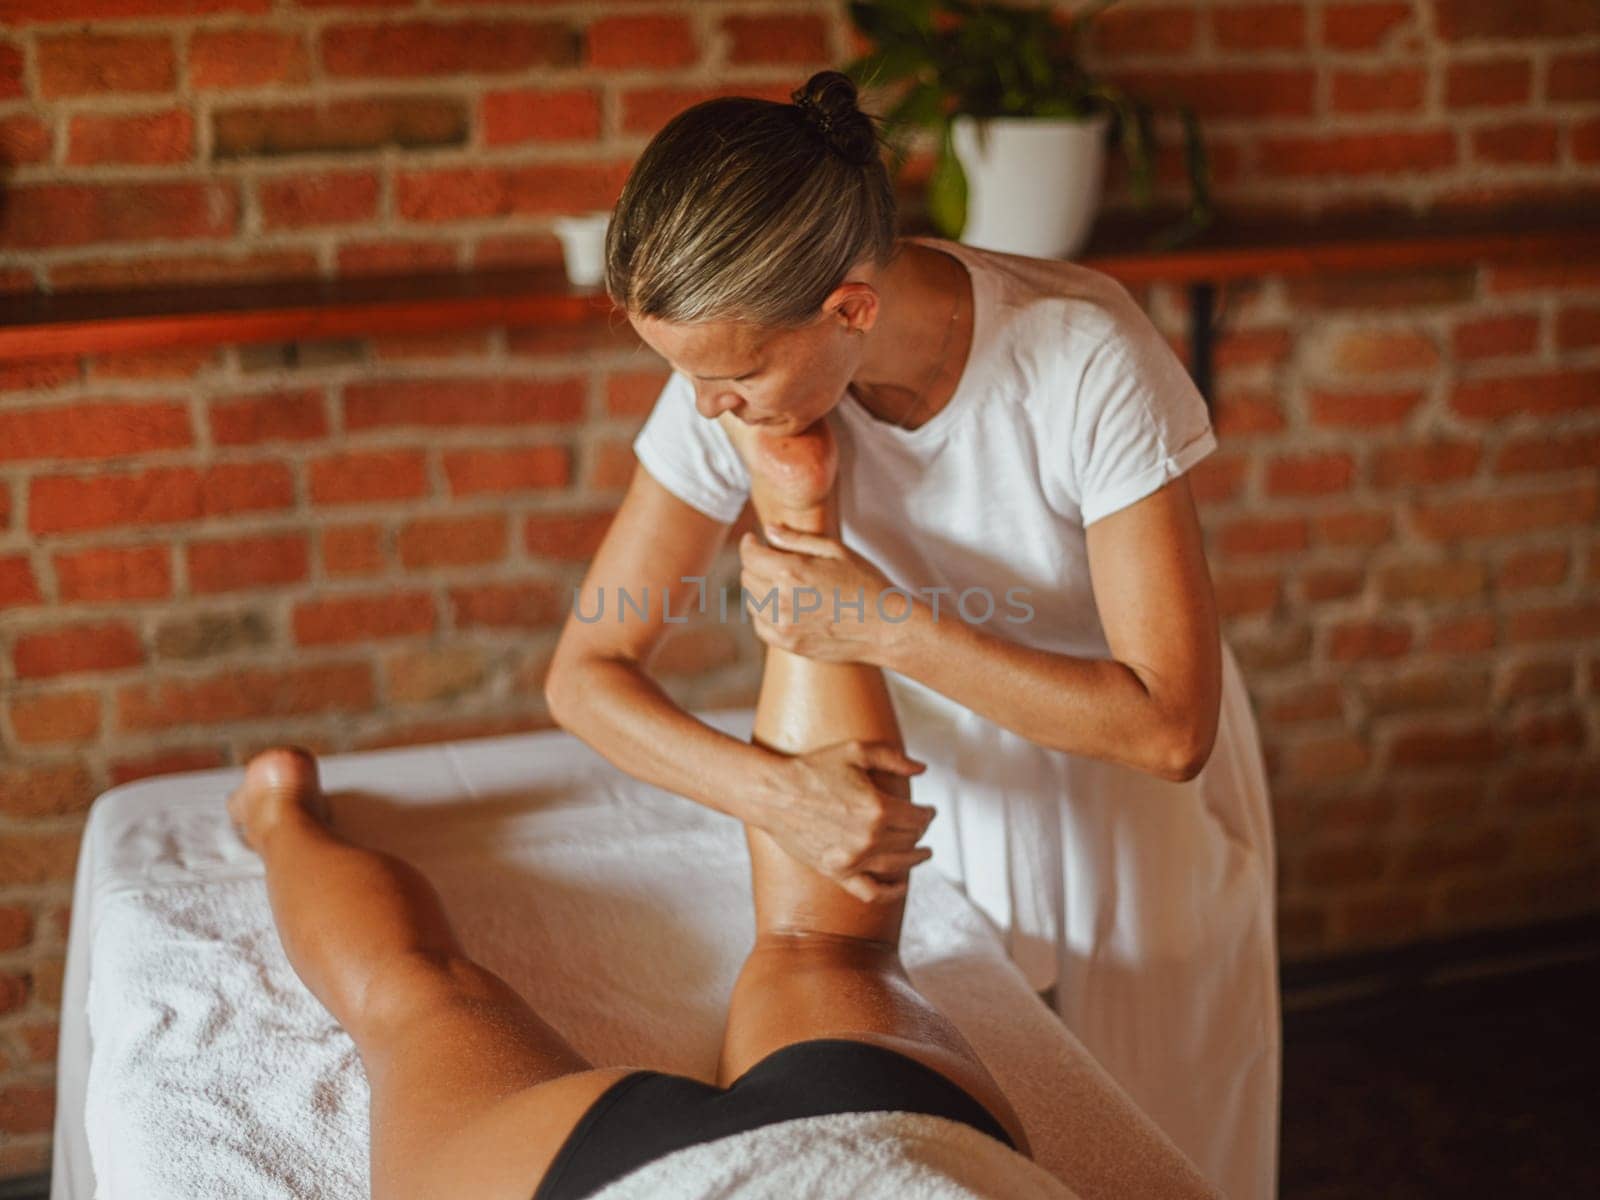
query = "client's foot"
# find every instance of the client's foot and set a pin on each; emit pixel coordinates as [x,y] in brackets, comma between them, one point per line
[277,781]
[791,475]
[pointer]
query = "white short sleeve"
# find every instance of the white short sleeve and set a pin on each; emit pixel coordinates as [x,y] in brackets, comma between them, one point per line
[1138,423]
[691,456]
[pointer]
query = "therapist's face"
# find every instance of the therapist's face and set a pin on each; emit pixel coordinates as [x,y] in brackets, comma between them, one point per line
[782,380]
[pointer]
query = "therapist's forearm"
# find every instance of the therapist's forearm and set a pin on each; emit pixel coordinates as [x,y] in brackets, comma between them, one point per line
[1099,708]
[616,707]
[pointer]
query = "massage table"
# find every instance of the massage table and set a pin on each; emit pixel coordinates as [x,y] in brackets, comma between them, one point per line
[194,1063]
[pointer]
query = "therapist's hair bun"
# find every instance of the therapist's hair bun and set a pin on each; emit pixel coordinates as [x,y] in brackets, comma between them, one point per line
[827,103]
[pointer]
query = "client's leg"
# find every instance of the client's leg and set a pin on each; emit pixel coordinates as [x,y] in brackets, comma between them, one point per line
[472,1093]
[826,964]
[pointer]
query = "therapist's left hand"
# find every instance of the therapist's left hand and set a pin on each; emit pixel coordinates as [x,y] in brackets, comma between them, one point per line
[804,622]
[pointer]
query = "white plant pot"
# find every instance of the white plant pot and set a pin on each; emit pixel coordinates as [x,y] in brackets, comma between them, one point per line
[1033,183]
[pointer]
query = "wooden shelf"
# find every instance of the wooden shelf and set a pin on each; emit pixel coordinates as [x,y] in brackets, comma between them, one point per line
[34,326]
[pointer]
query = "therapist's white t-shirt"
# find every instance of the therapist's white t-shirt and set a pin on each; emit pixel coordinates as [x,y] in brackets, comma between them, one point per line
[1147,903]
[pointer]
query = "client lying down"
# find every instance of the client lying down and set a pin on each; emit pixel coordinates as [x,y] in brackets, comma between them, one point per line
[474,1096]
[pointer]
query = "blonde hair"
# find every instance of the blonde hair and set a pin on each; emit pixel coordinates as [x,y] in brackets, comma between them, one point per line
[742,209]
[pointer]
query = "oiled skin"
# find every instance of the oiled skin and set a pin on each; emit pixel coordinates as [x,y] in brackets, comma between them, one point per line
[472,1092]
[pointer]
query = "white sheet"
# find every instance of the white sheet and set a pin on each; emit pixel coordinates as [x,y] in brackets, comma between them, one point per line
[561,873]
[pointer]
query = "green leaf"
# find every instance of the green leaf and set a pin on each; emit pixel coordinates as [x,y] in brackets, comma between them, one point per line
[947,190]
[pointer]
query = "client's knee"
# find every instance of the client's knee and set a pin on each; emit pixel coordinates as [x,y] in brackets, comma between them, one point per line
[421,982]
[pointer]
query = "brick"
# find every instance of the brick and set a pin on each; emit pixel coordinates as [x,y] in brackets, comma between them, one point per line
[179,362]
[36,373]
[1213,480]
[115,573]
[196,635]
[1351,640]
[159,496]
[87,64]
[67,650]
[25,139]
[421,733]
[1263,535]
[1309,474]
[540,115]
[1358,862]
[162,137]
[245,694]
[1425,464]
[1352,527]
[776,39]
[1363,26]
[183,269]
[1431,581]
[1454,745]
[166,762]
[324,198]
[645,110]
[1426,688]
[1488,83]
[296,416]
[1574,78]
[16,928]
[334,619]
[1384,89]
[395,257]
[18,584]
[1460,635]
[236,564]
[1308,702]
[46,789]
[1574,272]
[1472,20]
[76,11]
[525,469]
[1577,328]
[1382,352]
[352,550]
[1572,452]
[434,673]
[1505,514]
[465,401]
[1253,347]
[1525,569]
[452,541]
[92,429]
[39,857]
[439,48]
[11,68]
[611,465]
[1254,27]
[334,126]
[27,1108]
[1495,337]
[1149,32]
[224,59]
[535,604]
[1381,920]
[1331,583]
[570,536]
[1558,622]
[1518,142]
[1240,595]
[1334,410]
[1541,732]
[1363,290]
[46,215]
[55,718]
[446,344]
[369,477]
[1455,853]
[456,193]
[1343,155]
[632,392]
[641,41]
[1243,414]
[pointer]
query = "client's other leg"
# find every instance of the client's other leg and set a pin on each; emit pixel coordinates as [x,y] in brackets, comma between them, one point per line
[472,1093]
[826,964]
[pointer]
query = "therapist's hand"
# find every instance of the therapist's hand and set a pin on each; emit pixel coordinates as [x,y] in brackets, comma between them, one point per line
[830,813]
[815,581]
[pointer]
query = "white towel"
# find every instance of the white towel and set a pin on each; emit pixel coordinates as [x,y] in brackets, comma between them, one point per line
[622,915]
[864,1156]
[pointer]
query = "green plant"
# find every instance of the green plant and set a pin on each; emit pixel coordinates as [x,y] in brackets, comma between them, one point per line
[969,57]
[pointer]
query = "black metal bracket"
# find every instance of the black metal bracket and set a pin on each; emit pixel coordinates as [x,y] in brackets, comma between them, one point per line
[1202,313]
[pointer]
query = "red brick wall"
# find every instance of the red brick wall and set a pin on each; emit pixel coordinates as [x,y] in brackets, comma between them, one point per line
[364,543]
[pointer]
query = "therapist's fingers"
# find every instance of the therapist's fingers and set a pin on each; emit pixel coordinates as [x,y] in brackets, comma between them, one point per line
[883,756]
[870,890]
[896,864]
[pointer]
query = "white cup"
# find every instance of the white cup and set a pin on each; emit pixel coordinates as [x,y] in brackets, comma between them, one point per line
[583,246]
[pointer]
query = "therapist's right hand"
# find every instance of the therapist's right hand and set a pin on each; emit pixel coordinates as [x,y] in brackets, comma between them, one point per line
[830,813]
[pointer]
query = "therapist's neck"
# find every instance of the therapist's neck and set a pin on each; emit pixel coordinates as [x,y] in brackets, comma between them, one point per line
[912,354]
